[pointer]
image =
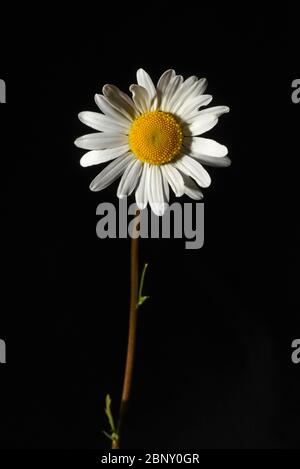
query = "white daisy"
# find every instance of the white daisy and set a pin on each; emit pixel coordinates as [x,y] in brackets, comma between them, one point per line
[153,139]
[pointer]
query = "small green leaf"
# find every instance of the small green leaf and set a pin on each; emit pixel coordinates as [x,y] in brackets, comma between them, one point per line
[107,434]
[141,297]
[113,435]
[108,412]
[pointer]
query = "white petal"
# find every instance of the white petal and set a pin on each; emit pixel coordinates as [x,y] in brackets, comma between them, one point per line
[215,110]
[100,122]
[191,189]
[130,178]
[106,107]
[202,85]
[155,191]
[141,193]
[205,146]
[171,88]
[144,80]
[189,83]
[120,101]
[174,178]
[101,140]
[190,107]
[101,156]
[166,189]
[163,83]
[222,162]
[186,89]
[110,173]
[200,125]
[192,168]
[141,98]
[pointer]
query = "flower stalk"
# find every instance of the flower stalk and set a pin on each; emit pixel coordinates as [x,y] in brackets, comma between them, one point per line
[136,300]
[133,310]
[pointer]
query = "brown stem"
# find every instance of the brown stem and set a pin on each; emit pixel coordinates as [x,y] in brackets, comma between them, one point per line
[134,280]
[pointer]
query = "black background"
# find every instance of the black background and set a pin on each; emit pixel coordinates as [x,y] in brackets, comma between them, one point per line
[213,366]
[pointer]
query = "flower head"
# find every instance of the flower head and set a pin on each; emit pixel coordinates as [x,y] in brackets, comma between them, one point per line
[153,139]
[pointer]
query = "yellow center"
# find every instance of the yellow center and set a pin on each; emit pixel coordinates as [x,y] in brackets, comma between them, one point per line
[155,137]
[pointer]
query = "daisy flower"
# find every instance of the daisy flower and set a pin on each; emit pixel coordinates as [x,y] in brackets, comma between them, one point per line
[153,139]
